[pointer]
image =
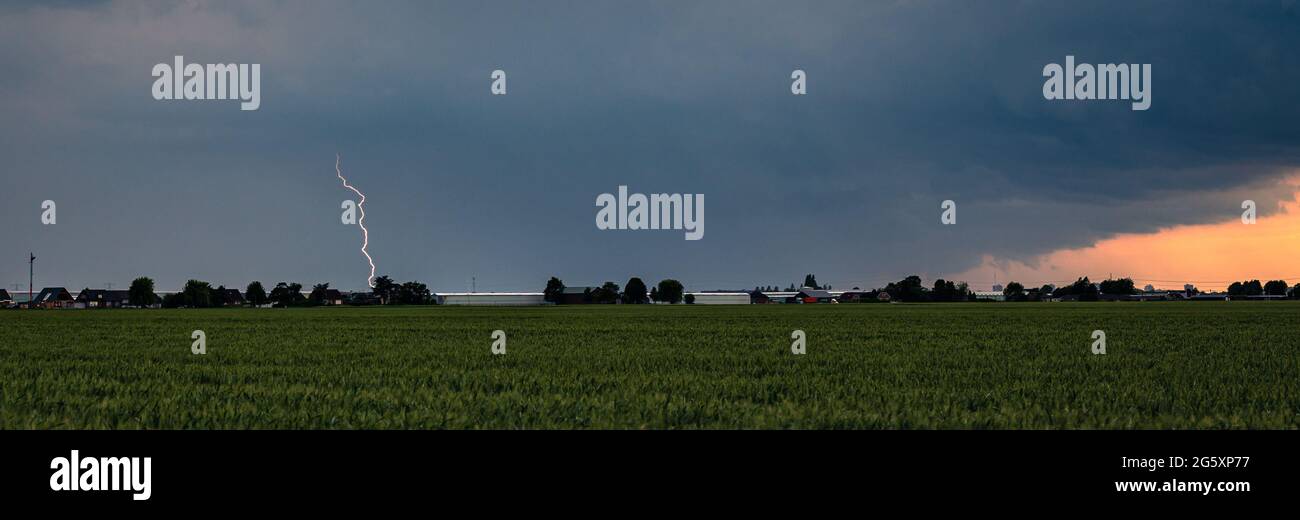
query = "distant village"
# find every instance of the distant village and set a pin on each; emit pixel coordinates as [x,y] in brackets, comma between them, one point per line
[199,294]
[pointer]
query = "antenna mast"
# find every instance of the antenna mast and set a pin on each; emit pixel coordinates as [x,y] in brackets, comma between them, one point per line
[31,270]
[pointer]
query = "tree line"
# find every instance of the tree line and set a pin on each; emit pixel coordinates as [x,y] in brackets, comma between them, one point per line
[1271,288]
[201,294]
[911,289]
[667,291]
[808,281]
[1087,291]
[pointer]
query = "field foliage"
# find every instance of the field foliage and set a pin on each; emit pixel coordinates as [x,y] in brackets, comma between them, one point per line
[1168,365]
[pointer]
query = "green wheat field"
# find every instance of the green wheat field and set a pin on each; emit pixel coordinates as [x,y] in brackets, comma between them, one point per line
[995,365]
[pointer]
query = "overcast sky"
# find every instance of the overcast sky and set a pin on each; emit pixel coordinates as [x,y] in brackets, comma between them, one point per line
[908,104]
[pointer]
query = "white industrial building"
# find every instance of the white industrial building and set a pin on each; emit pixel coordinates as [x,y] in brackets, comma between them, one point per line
[721,298]
[490,298]
[996,296]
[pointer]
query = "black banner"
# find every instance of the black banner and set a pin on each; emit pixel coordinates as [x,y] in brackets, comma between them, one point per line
[321,470]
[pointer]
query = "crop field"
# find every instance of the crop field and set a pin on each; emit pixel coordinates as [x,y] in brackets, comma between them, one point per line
[1167,365]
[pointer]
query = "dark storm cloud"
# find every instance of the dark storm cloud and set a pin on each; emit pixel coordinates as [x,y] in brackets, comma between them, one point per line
[909,103]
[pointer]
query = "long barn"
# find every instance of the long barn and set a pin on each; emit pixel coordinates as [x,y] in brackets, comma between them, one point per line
[721,298]
[489,298]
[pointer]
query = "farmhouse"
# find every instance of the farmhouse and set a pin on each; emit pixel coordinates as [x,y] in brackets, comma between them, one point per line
[5,299]
[53,298]
[859,296]
[576,295]
[102,298]
[490,298]
[364,298]
[810,295]
[334,297]
[229,298]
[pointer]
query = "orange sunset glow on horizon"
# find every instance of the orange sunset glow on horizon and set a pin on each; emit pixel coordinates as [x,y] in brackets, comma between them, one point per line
[1209,256]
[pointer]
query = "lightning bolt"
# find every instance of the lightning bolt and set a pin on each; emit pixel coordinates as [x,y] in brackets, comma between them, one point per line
[361,222]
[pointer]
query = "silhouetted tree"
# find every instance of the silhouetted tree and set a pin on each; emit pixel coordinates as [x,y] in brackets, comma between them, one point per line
[141,292]
[197,294]
[1275,288]
[670,291]
[1083,288]
[907,290]
[218,296]
[947,291]
[554,288]
[173,300]
[964,292]
[1014,292]
[607,293]
[635,291]
[319,293]
[255,293]
[1120,286]
[287,294]
[412,293]
[386,289]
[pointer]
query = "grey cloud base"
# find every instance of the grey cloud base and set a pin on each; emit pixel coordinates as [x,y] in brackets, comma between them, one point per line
[908,105]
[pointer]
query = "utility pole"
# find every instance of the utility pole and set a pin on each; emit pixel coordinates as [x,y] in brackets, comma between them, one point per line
[473,287]
[31,270]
